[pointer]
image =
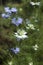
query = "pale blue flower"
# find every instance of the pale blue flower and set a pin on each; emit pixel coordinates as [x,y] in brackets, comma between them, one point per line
[7,10]
[15,50]
[5,15]
[17,21]
[13,10]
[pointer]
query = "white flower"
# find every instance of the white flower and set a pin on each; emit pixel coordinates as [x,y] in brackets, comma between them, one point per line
[31,63]
[37,3]
[21,34]
[10,63]
[35,47]
[30,26]
[33,3]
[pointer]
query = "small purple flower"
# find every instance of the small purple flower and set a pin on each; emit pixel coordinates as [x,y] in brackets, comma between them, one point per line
[14,10]
[15,50]
[7,10]
[5,15]
[17,21]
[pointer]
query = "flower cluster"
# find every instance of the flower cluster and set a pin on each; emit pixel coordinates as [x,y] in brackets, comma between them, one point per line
[8,12]
[20,33]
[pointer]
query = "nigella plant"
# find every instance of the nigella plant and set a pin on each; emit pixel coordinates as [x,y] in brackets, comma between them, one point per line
[15,50]
[17,21]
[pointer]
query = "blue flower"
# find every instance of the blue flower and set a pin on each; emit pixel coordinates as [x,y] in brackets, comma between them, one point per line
[15,50]
[17,21]
[14,10]
[5,15]
[7,10]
